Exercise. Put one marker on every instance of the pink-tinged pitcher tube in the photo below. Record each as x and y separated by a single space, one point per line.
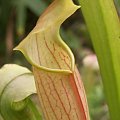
62 95
59 87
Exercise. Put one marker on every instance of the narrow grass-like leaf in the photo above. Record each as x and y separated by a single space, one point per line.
104 26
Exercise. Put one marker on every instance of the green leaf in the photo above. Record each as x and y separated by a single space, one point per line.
104 27
21 16
16 87
36 6
1 117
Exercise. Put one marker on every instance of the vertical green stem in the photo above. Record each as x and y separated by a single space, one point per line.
29 112
35 114
104 27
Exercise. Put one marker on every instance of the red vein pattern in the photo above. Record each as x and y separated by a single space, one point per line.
60 90
61 95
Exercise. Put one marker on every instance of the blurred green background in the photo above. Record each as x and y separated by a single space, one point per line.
17 19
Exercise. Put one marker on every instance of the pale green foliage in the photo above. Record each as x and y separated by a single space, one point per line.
16 87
